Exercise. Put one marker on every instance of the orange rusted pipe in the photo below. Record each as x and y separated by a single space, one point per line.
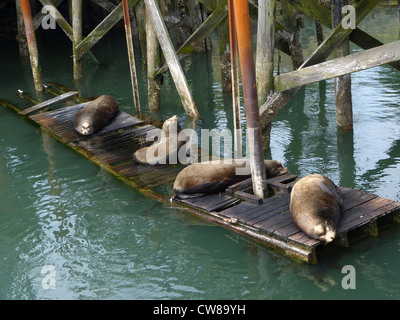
33 51
235 82
242 19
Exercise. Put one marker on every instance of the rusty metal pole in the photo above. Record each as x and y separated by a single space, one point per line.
33 51
132 66
235 83
242 18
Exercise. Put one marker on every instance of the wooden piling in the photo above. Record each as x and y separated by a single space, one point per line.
265 49
242 18
21 37
171 58
237 137
76 9
343 101
224 55
140 13
131 55
195 14
319 30
33 51
153 64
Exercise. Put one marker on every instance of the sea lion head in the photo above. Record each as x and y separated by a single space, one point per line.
171 126
274 168
85 128
324 233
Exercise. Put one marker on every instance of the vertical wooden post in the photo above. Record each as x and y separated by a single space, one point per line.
265 49
224 55
153 64
33 51
242 18
319 30
344 108
195 14
131 55
140 11
398 13
237 126
76 9
21 37
171 58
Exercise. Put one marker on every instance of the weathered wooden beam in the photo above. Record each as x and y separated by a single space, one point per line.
65 26
153 63
37 19
21 37
323 15
193 7
33 50
242 18
224 55
77 37
213 20
105 4
201 33
337 67
265 49
343 99
90 40
270 109
49 103
171 58
339 34
140 14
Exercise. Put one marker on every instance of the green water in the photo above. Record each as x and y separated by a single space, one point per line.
103 240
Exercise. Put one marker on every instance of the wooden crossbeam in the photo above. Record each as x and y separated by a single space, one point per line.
104 26
171 58
337 67
323 15
48 103
214 19
339 34
64 25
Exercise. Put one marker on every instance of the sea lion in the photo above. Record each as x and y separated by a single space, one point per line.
95 115
315 205
165 149
207 177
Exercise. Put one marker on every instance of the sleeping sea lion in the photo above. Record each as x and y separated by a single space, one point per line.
315 204
95 115
165 149
202 178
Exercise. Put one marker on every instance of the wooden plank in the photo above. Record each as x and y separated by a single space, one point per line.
248 197
171 58
90 40
337 67
258 217
235 211
363 213
50 102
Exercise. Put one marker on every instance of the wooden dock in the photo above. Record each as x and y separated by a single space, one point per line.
266 222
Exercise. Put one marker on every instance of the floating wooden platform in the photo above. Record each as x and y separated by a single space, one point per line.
267 222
